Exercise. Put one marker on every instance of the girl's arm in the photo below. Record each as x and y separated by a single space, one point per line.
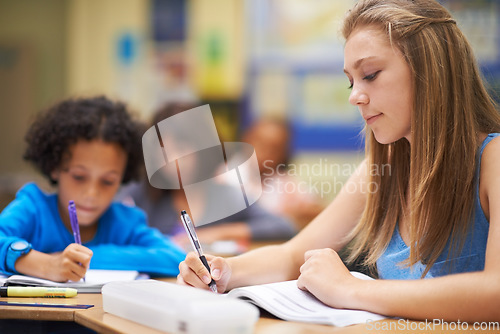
466 297
282 262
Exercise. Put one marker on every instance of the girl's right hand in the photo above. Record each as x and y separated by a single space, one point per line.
193 272
71 264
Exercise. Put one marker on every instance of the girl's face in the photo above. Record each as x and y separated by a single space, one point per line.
90 176
381 84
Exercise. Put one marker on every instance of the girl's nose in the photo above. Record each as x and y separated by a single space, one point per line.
358 97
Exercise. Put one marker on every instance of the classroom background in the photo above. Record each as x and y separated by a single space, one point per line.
247 59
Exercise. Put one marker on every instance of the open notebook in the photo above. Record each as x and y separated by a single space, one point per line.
94 280
286 301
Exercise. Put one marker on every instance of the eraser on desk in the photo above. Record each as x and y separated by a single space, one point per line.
176 308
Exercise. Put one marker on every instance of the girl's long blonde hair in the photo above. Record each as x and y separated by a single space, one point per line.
434 181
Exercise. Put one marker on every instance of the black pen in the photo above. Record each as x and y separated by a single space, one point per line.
188 225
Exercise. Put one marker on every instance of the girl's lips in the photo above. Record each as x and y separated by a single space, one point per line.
372 119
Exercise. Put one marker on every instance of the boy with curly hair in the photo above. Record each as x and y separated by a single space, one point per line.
87 148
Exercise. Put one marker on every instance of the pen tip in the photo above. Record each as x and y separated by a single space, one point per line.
183 212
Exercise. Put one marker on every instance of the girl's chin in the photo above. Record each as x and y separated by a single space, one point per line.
384 139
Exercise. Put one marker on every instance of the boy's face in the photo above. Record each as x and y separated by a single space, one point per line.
90 176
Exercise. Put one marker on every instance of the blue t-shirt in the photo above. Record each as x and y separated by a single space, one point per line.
123 240
471 258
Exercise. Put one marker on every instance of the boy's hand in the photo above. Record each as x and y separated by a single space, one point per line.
71 264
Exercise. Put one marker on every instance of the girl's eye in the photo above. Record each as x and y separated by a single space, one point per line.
370 77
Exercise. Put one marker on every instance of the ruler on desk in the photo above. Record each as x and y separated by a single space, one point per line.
78 306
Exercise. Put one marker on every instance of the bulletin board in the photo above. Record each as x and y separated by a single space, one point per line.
296 72
480 22
295 57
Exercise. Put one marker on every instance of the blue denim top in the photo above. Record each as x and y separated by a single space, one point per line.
471 258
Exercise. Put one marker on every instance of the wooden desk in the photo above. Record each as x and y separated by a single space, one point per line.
96 319
47 313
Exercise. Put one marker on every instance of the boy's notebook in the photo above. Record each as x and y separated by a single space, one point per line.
286 301
94 280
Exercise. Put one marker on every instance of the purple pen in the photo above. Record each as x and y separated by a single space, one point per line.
74 224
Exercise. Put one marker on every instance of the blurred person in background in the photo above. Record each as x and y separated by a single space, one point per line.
163 206
281 193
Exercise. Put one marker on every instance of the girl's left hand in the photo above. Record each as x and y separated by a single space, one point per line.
325 276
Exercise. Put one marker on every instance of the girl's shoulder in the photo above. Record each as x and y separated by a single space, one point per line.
489 187
490 149
491 142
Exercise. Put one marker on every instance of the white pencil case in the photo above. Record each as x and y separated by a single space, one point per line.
178 309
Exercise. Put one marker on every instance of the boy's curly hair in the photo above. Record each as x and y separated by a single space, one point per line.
62 125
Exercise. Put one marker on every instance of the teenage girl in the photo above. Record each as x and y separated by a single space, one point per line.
430 226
